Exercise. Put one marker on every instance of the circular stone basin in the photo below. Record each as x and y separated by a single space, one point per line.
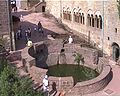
78 72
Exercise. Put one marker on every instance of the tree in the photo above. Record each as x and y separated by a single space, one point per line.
13 85
78 58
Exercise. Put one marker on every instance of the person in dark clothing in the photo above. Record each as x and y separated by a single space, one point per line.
40 28
18 35
29 32
20 32
26 35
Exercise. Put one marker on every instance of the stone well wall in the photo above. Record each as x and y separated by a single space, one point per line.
14 55
36 73
61 83
53 49
66 83
93 85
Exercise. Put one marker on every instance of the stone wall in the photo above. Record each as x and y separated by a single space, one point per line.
36 73
107 9
38 7
5 22
93 85
53 50
24 4
14 56
67 83
90 55
62 83
4 17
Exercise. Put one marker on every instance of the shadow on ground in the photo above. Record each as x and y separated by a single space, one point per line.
19 13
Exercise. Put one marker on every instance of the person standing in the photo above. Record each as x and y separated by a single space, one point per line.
45 85
40 28
26 35
70 40
29 43
21 17
39 25
29 32
35 28
20 32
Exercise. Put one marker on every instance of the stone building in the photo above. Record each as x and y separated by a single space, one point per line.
98 20
6 24
28 4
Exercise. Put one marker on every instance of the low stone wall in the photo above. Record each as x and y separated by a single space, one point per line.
53 49
61 83
36 73
66 83
90 55
93 85
14 56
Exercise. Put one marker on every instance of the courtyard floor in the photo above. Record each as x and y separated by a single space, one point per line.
31 20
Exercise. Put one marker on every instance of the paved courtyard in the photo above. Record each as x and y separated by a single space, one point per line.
32 19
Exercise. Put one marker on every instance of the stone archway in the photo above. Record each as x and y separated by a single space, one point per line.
115 51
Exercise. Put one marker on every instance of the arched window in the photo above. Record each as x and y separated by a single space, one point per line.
92 20
70 18
83 18
79 17
75 17
88 19
97 19
64 15
100 18
67 17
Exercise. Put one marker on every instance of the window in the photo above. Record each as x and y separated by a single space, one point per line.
100 18
79 17
64 15
75 17
97 22
88 20
68 15
92 21
115 30
82 18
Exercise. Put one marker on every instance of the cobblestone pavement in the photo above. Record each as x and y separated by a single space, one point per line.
31 20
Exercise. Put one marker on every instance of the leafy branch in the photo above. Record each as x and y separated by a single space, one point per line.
78 58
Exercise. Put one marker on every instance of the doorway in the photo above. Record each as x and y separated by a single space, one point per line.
115 51
43 8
